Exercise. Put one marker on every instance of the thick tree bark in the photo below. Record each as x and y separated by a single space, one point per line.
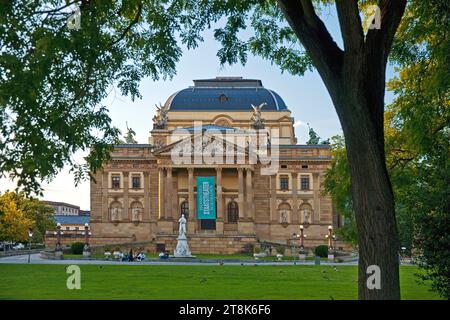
355 79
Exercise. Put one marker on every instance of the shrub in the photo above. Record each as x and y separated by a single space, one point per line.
256 249
280 250
321 251
77 248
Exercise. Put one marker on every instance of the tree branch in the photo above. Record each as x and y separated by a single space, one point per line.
351 26
314 36
135 21
56 9
391 14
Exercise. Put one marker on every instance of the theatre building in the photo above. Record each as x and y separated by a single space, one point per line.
200 161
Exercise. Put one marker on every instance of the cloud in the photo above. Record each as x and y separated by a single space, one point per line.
299 123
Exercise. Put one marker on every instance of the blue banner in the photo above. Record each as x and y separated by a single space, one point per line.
206 197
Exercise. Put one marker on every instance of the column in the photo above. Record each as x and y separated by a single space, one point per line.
169 194
219 193
295 216
273 198
191 193
220 219
162 193
146 213
241 193
249 188
125 215
192 221
316 191
105 188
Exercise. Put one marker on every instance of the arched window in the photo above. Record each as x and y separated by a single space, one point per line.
233 212
185 209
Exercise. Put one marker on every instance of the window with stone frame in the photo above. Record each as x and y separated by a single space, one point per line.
284 182
304 183
185 209
115 181
136 182
232 212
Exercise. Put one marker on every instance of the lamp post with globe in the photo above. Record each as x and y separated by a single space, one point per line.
87 234
58 248
295 236
330 238
30 237
302 253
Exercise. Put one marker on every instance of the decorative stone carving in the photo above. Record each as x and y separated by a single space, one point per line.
135 214
115 214
256 119
161 117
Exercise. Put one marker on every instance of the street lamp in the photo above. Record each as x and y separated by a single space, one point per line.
86 248
58 248
330 238
302 255
30 237
295 236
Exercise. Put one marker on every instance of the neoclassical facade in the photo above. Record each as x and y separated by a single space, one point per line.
238 134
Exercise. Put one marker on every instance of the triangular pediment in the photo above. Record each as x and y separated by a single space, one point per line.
205 143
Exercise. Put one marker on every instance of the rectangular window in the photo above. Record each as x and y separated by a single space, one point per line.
284 183
208 224
115 181
304 182
136 182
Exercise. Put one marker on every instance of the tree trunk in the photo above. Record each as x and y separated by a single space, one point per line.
362 91
355 79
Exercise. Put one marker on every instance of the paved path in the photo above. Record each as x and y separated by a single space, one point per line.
36 259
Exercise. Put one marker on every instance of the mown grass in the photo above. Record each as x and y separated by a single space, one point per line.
193 282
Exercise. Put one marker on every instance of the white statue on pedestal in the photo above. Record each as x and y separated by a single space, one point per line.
182 250
182 227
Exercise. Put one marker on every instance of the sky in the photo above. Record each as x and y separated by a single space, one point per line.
306 97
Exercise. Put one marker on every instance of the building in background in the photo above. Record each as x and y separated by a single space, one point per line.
63 209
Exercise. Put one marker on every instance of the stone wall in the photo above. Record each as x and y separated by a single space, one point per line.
212 244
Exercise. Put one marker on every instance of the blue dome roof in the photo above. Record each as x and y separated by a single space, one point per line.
225 94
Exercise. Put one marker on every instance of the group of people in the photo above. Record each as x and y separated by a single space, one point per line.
130 256
164 255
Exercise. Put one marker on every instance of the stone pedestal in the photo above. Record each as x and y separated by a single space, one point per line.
330 257
58 254
182 250
86 251
302 257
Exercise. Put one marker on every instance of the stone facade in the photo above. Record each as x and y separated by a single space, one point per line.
141 192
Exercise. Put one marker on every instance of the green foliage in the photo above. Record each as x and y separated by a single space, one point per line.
337 183
39 212
281 249
321 251
77 248
14 224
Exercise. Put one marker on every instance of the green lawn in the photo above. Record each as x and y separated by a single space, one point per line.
193 282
